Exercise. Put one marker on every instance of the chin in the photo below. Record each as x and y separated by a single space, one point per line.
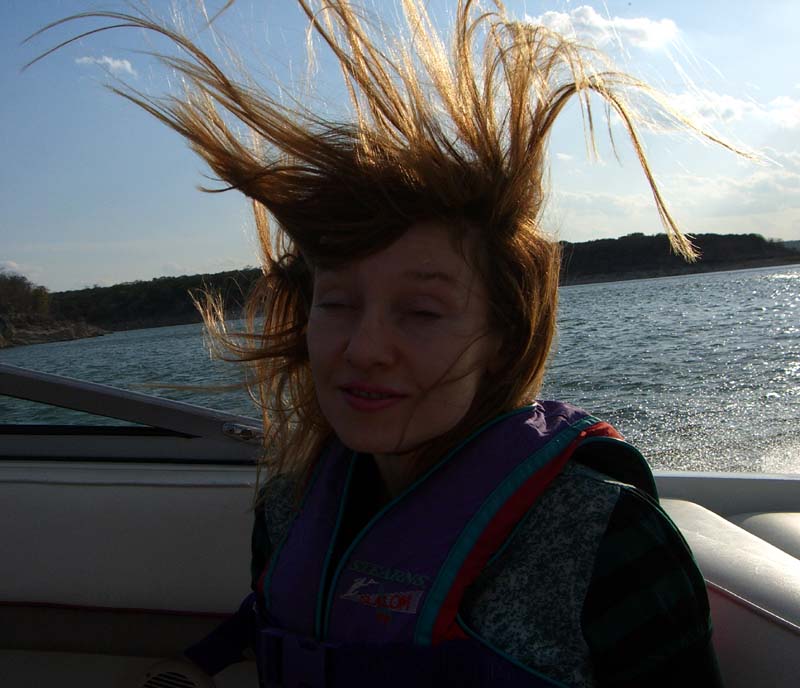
389 435
377 440
364 445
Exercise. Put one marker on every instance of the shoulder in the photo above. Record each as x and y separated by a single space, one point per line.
529 599
274 513
642 543
568 519
596 580
646 605
278 504
563 527
639 527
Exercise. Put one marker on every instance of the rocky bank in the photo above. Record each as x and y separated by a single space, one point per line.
22 330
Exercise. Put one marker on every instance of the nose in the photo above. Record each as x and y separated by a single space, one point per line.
370 343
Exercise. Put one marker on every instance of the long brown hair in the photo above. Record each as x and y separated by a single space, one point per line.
451 131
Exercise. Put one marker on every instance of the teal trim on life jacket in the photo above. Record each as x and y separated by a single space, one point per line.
472 634
473 530
360 536
636 473
677 531
320 617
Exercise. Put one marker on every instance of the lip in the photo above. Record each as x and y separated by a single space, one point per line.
359 403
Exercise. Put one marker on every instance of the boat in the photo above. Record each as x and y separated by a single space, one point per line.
124 544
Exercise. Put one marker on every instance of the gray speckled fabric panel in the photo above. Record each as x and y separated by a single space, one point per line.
528 603
279 507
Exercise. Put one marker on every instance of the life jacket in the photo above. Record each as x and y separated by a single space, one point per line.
387 613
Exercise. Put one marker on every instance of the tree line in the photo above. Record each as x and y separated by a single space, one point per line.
168 300
637 255
154 303
20 296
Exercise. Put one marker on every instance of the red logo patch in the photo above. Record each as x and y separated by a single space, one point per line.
405 602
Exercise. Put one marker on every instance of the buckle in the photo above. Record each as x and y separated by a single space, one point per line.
304 662
289 660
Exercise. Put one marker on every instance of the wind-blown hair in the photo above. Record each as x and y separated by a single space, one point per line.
451 131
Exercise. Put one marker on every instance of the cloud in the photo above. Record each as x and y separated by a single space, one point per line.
770 189
745 198
32 272
9 266
115 66
707 107
785 111
790 160
564 156
766 191
585 22
609 204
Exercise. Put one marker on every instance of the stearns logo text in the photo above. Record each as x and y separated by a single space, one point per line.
389 574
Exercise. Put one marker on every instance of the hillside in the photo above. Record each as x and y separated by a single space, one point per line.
638 256
37 315
26 317
156 303
167 301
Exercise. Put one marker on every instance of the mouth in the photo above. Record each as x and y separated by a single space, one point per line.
370 398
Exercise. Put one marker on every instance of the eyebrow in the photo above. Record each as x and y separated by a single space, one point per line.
431 276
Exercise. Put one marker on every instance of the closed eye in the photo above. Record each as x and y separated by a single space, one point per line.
428 315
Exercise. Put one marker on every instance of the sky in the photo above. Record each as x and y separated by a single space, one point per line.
93 191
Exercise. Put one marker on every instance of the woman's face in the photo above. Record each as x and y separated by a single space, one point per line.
399 342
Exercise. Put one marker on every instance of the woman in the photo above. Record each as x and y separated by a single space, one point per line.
425 521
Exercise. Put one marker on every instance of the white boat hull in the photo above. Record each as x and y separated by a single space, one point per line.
120 550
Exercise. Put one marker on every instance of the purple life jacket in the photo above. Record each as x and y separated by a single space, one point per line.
389 615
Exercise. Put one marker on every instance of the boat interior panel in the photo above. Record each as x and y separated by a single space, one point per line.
122 547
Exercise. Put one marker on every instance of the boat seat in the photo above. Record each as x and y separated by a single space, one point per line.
781 529
754 592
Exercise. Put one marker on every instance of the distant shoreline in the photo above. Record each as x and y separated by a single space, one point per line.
67 331
699 270
25 332
168 301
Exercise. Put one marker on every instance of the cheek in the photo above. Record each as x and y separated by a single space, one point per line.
452 382
470 374
466 358
320 349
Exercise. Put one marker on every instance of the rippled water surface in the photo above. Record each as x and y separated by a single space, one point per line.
702 372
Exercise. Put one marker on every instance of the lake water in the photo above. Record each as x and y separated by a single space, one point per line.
701 372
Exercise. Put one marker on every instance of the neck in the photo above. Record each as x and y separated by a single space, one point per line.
397 472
